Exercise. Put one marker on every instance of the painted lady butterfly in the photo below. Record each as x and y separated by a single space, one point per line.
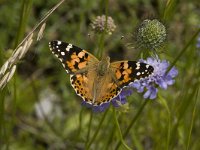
97 82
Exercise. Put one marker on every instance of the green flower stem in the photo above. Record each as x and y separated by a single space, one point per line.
80 122
89 127
119 130
25 12
45 17
112 133
100 45
3 133
183 50
192 121
102 35
170 9
132 122
97 131
186 98
164 103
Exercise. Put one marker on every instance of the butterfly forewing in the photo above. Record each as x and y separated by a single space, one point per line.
80 64
126 72
72 57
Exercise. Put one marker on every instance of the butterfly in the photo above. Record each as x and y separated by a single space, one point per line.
97 81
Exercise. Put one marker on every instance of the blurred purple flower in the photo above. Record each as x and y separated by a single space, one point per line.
160 78
198 42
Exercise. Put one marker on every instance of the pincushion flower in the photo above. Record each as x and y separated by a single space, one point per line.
160 78
198 42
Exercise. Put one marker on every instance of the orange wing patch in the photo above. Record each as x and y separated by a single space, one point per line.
78 61
105 89
109 93
129 71
79 82
72 57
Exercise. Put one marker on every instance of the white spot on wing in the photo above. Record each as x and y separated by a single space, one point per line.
138 65
69 47
62 53
59 42
138 73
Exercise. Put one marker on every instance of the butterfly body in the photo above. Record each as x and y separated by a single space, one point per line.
97 82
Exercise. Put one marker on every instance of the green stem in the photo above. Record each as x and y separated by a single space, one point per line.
102 35
100 45
3 133
170 9
119 130
192 121
163 101
132 122
80 122
97 131
25 12
108 143
183 50
41 22
186 101
89 127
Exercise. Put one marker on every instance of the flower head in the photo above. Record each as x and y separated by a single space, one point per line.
198 42
99 24
151 34
160 78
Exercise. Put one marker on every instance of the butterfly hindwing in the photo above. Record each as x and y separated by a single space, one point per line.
129 71
72 57
82 86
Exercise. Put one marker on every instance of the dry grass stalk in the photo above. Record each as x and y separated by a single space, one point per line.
9 67
6 78
41 31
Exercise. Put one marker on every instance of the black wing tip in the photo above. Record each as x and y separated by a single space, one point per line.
151 68
58 42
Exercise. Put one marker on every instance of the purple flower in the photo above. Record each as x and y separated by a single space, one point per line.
160 78
198 42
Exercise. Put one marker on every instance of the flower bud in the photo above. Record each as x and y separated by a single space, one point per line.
99 24
151 34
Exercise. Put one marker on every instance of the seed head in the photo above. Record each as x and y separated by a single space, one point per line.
151 34
99 24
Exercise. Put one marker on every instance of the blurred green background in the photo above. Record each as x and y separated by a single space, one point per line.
40 110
